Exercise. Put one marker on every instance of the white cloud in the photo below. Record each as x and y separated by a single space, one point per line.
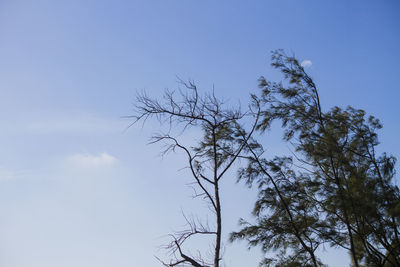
92 161
74 123
306 63
6 174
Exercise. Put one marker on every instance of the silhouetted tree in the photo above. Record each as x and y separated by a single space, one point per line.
342 193
286 215
223 141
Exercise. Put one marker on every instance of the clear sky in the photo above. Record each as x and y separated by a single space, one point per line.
76 189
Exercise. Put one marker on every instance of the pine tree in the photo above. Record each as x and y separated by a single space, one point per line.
354 202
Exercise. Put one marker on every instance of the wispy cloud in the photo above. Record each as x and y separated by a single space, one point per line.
78 123
73 123
92 161
306 63
6 174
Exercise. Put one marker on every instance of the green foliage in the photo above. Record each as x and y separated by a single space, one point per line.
284 210
340 192
336 190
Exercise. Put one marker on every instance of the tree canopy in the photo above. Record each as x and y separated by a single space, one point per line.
335 189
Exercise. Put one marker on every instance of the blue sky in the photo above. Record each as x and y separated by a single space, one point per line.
77 189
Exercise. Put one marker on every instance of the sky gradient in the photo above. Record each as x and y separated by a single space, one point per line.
78 189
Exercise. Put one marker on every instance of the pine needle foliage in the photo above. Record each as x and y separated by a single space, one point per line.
340 192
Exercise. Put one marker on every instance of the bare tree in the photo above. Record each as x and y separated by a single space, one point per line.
224 140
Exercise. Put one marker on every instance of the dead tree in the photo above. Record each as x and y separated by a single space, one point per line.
224 139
